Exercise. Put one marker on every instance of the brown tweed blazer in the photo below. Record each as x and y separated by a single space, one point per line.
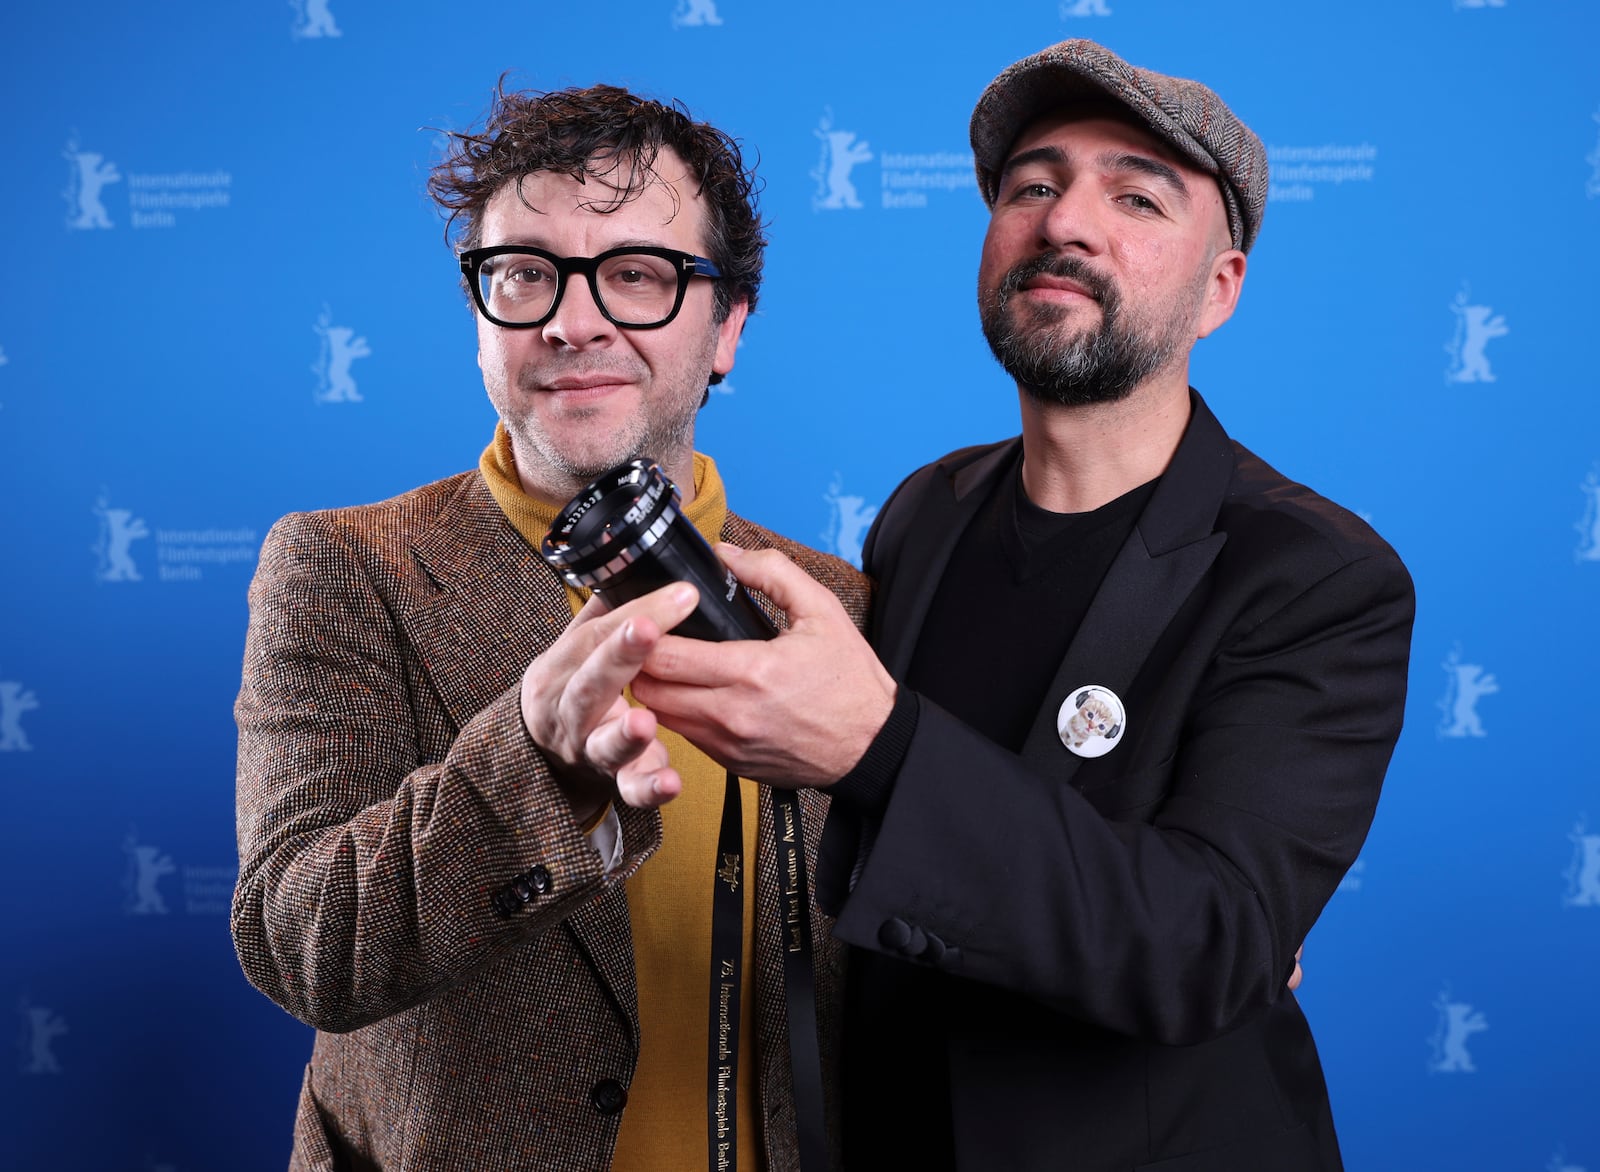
387 789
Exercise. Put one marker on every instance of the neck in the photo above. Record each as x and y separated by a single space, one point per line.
1075 459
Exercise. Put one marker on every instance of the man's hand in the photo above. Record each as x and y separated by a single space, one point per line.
798 710
1298 975
572 704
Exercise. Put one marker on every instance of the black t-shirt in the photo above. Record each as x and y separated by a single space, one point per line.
1012 596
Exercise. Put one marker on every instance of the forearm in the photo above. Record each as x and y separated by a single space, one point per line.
373 835
1167 903
345 915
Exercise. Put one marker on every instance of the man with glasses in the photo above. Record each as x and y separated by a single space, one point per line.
1147 691
506 969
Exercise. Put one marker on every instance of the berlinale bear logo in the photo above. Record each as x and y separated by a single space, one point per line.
119 529
1468 683
840 154
340 349
1458 1021
90 176
41 1028
1476 327
14 701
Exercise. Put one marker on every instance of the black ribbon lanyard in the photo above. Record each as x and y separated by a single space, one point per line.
799 984
727 973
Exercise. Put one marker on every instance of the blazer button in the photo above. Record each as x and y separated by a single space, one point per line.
933 949
504 902
894 934
539 879
608 1096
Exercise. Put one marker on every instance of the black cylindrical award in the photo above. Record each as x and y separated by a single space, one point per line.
626 535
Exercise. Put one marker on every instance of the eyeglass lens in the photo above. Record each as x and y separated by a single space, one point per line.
635 288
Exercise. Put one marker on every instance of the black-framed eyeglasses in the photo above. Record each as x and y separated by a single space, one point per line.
640 288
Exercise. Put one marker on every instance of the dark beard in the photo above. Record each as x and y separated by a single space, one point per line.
1092 366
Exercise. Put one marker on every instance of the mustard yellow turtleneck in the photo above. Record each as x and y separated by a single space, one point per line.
669 902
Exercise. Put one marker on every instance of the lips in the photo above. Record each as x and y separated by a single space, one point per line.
1050 283
1056 274
589 383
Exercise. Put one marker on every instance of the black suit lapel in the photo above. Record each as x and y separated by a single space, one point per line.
912 564
1169 551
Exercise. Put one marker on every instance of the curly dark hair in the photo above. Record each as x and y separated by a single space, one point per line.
584 132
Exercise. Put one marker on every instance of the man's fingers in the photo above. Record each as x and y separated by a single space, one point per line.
791 589
622 740
611 665
667 607
649 781
676 659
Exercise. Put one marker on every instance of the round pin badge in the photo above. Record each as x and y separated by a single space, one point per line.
1091 721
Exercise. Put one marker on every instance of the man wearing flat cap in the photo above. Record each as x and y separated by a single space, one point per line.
1138 691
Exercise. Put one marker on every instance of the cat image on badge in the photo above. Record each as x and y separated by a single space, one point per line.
1090 721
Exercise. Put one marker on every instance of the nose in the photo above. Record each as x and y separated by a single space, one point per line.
1073 222
578 323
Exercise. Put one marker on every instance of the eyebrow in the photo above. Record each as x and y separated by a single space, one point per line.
1145 165
525 241
1114 161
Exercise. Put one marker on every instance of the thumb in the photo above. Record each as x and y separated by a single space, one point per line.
791 589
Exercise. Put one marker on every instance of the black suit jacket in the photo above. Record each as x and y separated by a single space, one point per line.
1112 936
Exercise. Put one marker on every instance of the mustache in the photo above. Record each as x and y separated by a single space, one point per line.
1069 268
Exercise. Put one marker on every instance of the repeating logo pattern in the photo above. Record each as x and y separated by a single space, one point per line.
906 179
119 529
40 1029
154 199
1588 525
1592 188
1466 684
180 553
695 14
1476 327
207 891
339 349
147 866
1583 873
14 701
842 152
312 20
1297 172
849 519
89 175
1457 1022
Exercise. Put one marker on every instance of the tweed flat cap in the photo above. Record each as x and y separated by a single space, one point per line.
1181 112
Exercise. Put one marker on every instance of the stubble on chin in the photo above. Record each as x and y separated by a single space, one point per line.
565 454
1102 361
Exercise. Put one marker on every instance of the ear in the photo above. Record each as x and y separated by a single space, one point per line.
1222 290
728 331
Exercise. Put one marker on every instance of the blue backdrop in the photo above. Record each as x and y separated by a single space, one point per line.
224 296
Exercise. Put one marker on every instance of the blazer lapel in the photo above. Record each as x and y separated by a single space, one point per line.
941 516
1170 549
496 604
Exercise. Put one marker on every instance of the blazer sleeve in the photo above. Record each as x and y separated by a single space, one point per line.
1177 919
367 873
